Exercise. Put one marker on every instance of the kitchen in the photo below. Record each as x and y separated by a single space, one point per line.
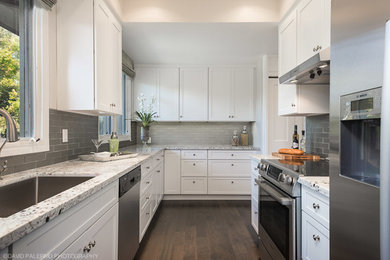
194 129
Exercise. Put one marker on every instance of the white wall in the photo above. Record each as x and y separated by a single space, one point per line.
200 10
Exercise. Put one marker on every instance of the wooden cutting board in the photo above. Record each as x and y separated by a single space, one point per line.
283 156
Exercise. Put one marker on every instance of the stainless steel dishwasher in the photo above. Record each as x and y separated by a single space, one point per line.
129 192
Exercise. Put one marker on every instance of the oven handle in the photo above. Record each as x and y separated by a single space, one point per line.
279 197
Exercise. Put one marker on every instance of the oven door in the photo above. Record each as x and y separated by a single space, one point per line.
277 223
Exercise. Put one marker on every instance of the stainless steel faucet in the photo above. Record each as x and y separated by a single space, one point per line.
12 131
11 135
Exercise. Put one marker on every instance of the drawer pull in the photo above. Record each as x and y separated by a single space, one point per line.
193 181
194 155
147 213
158 171
232 154
148 167
147 182
316 206
193 164
158 159
232 182
147 198
316 238
232 164
255 212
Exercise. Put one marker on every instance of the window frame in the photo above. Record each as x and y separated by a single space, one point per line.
128 107
39 87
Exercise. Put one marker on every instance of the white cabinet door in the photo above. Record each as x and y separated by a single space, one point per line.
243 104
288 43
172 172
255 215
193 185
287 99
103 57
168 94
100 241
145 83
116 68
193 94
315 239
313 19
220 94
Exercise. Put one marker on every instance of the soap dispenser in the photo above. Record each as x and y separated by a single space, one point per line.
114 143
244 136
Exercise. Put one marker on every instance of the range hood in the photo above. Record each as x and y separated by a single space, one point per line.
314 71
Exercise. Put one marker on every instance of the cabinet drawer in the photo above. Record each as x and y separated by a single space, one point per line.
254 187
145 183
193 185
101 238
146 167
144 220
194 154
315 239
146 197
254 214
229 186
231 168
53 237
316 205
194 168
228 155
156 160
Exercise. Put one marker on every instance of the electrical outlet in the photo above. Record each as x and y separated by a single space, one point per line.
64 135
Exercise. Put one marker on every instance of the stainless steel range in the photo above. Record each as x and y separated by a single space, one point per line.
280 205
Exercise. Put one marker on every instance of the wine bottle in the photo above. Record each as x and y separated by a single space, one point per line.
295 142
303 141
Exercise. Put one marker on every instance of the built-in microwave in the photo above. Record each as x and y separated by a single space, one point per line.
360 123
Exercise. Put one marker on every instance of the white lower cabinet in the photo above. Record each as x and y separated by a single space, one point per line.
237 186
151 192
94 219
100 241
172 172
315 239
193 185
315 225
255 214
229 168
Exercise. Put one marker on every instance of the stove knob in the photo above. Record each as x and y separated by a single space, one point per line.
263 167
282 177
290 180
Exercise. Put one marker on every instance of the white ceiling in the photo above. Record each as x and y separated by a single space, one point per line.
199 43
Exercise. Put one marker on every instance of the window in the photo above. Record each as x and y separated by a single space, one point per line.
24 76
120 124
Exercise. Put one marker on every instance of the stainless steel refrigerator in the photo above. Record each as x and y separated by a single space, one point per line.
359 130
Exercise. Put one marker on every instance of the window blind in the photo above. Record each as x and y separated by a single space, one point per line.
127 65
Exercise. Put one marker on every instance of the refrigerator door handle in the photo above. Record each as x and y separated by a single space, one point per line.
385 154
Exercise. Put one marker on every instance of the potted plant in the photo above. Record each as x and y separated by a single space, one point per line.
145 114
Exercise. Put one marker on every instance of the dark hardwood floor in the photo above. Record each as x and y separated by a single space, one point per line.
200 230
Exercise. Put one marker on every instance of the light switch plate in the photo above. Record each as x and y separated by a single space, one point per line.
64 135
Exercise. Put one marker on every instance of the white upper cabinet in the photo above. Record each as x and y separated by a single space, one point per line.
303 100
288 43
163 84
89 58
193 94
231 94
168 94
243 93
220 94
313 18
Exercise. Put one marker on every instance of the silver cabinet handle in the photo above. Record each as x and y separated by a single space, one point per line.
158 171
316 206
232 182
147 198
316 238
232 164
148 167
193 181
181 116
255 212
232 154
232 116
292 104
193 164
147 182
147 213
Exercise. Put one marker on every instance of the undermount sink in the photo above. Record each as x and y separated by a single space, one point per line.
21 195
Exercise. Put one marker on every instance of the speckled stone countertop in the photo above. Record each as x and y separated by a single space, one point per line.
320 184
259 157
205 147
23 222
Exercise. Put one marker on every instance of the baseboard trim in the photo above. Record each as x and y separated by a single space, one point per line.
206 197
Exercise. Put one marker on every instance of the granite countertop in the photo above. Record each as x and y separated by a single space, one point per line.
320 184
205 147
259 157
23 222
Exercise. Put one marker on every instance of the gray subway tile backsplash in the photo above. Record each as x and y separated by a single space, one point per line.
81 129
317 135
